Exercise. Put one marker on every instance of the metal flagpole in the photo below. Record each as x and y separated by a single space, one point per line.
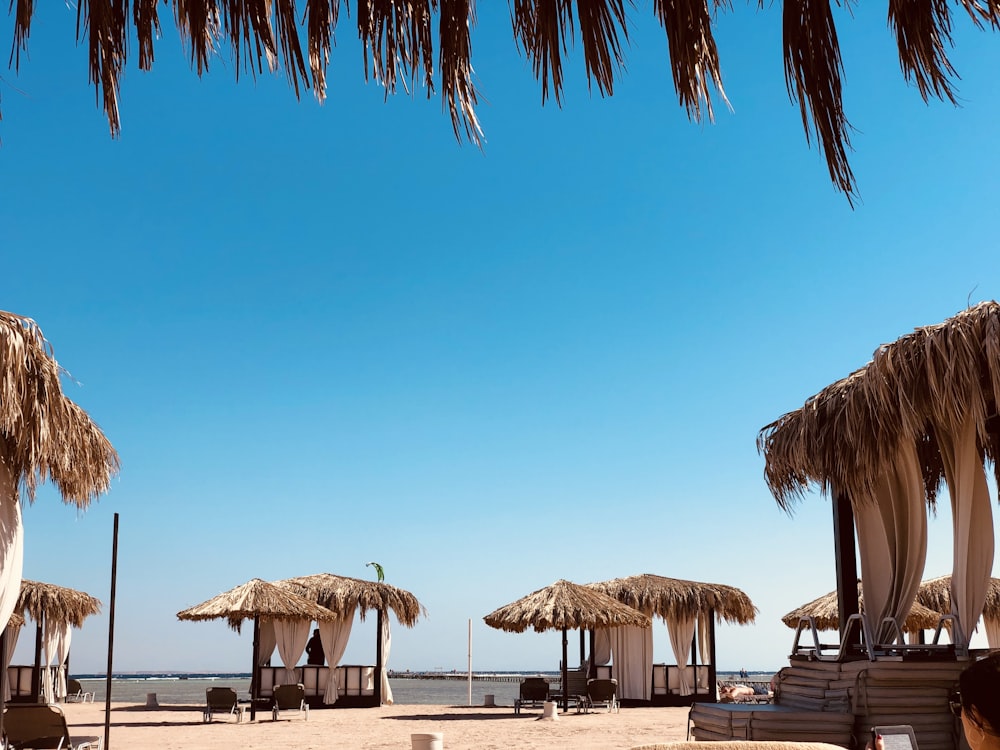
111 637
470 661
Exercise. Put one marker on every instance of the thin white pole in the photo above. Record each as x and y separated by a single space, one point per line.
470 661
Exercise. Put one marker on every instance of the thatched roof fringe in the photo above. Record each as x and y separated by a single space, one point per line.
57 604
935 593
256 598
43 434
673 599
924 385
458 90
694 57
344 595
825 612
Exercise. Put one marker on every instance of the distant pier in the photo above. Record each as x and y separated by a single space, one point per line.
478 676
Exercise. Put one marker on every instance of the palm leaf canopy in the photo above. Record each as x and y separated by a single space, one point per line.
399 49
344 596
935 593
924 383
55 604
254 599
675 599
564 605
825 611
44 435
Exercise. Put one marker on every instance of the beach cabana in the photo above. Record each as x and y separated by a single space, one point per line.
935 593
565 606
281 618
346 596
55 610
689 610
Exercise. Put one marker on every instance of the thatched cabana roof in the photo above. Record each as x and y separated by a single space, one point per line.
925 382
564 605
825 611
674 599
254 599
399 42
56 604
43 434
935 593
344 595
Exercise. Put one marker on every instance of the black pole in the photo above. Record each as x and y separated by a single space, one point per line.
565 675
712 672
255 669
36 675
845 552
111 637
378 659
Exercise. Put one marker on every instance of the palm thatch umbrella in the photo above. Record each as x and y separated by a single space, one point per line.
55 607
399 39
43 436
928 397
564 606
935 593
254 600
826 614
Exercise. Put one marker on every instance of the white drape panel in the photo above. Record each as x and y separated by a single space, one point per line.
992 627
51 635
13 632
681 634
602 647
972 526
65 636
11 549
291 636
632 653
386 637
267 640
334 635
704 647
892 542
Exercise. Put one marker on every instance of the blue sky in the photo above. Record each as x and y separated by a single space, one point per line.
324 335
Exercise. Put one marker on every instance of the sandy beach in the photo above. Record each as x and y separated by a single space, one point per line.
494 728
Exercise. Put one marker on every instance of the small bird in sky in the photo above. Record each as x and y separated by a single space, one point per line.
378 570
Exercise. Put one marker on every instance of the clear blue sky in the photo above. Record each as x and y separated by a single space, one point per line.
324 335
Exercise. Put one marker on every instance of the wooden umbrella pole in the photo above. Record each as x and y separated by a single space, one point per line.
565 671
111 637
847 567
36 675
254 673
713 678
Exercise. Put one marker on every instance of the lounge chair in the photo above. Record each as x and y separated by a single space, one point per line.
534 691
222 700
602 693
290 698
42 727
75 692
576 690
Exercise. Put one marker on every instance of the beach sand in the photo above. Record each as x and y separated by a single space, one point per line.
463 727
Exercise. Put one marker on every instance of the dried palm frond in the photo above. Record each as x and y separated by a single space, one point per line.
674 599
825 612
257 598
935 593
564 605
44 435
343 596
925 383
55 604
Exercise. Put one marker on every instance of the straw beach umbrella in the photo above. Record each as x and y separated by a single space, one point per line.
881 441
564 606
345 596
935 593
399 46
258 600
43 436
826 614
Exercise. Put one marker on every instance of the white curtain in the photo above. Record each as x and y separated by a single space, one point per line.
63 639
972 526
602 647
632 654
266 642
51 635
704 647
892 542
681 634
291 636
386 637
11 551
13 631
334 635
992 626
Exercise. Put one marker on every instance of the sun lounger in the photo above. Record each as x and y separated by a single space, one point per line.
533 692
289 698
222 700
42 727
76 694
602 693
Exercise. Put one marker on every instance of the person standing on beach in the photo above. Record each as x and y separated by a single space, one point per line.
314 649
